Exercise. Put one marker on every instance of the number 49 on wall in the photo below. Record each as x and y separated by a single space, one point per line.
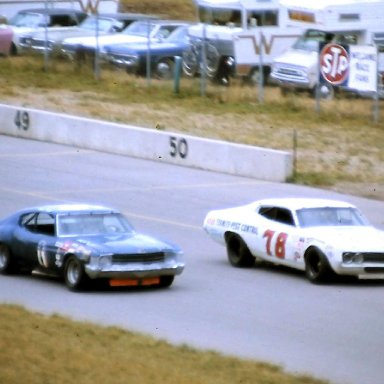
22 120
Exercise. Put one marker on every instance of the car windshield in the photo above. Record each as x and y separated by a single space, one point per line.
330 216
178 35
27 19
102 24
140 28
92 224
310 40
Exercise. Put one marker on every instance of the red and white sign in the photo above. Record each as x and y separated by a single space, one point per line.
334 63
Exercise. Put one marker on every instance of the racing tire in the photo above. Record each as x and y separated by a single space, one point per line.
317 269
238 253
166 281
74 274
7 265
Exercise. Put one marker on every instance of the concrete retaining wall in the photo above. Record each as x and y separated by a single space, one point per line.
185 150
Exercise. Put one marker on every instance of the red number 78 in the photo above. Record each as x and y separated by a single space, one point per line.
279 245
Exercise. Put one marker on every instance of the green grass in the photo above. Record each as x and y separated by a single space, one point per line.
39 349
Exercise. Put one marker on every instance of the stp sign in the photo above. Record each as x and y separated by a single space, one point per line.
334 63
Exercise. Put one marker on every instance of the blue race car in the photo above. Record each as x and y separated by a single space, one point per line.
161 54
85 242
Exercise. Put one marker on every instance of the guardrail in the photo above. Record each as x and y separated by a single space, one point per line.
146 143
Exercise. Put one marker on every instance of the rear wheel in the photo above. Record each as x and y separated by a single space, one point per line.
317 268
74 274
238 252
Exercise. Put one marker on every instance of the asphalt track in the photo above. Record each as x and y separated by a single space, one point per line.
333 332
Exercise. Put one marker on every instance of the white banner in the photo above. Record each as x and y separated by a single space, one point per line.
363 68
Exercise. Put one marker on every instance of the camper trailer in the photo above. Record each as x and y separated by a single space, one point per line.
228 31
256 47
343 22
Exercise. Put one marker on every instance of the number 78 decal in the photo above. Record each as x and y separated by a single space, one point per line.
279 244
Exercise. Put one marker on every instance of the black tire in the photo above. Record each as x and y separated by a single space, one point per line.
317 268
166 281
74 274
165 69
238 253
6 263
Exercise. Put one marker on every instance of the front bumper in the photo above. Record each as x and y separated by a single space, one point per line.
362 271
135 270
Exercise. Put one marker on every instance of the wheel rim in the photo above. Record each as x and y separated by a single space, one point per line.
73 272
3 257
164 69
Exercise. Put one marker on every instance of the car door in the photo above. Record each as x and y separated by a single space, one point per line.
35 239
278 235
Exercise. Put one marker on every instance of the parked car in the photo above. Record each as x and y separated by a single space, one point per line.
138 32
30 20
6 36
102 24
85 242
133 57
321 237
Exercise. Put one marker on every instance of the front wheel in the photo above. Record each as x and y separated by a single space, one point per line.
5 260
165 68
74 274
238 253
317 268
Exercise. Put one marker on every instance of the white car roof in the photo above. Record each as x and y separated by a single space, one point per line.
296 203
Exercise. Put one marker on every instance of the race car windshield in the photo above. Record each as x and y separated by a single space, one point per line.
93 224
330 216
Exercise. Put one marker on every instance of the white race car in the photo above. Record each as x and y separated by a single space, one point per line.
319 236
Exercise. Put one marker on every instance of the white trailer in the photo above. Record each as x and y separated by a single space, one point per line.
349 22
256 47
220 23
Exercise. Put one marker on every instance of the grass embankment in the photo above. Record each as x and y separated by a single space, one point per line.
38 349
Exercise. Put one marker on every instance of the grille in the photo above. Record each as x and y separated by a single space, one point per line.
373 257
139 257
374 270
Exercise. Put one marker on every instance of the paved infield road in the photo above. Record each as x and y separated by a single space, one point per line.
272 314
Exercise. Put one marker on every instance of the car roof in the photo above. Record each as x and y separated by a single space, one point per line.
127 16
295 203
70 208
53 11
170 22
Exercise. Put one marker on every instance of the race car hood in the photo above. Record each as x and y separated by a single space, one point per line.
358 239
126 243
